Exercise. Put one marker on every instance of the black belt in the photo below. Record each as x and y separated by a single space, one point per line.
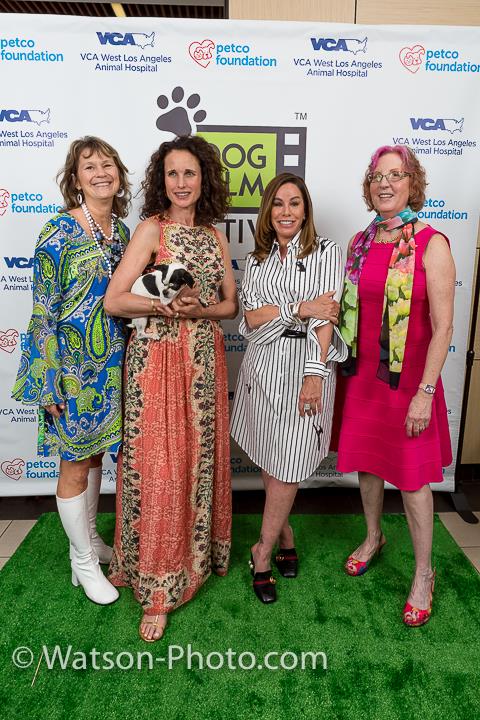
293 334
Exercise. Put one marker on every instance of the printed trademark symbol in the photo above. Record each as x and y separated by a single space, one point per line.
300 116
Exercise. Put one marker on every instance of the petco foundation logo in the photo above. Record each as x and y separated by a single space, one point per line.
448 124
27 202
412 57
32 116
115 38
202 52
4 198
8 340
252 156
351 45
234 53
13 469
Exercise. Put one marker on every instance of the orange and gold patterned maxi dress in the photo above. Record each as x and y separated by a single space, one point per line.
173 489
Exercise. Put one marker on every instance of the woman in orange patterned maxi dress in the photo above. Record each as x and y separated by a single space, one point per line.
173 491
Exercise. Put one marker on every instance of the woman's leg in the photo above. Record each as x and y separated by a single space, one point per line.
286 539
279 497
73 476
73 512
419 511
371 491
103 550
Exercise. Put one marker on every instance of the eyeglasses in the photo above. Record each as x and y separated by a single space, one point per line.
393 176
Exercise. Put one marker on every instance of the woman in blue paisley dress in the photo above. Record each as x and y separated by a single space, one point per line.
71 365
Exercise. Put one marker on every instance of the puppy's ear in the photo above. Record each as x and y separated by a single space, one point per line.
188 279
163 269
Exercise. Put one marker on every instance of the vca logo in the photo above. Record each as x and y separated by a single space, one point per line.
115 38
22 263
449 124
4 198
346 44
32 116
13 469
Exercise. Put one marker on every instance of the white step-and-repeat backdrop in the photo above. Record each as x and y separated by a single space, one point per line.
312 98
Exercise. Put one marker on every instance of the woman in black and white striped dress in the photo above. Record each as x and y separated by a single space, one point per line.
283 406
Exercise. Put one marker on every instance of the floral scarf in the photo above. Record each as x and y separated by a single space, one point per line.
397 297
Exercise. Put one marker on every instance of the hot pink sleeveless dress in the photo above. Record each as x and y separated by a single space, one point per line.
372 432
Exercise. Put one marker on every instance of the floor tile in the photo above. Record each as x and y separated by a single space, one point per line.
473 555
4 525
14 535
464 534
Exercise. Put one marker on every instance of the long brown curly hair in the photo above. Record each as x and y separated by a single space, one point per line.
67 176
411 164
212 205
264 232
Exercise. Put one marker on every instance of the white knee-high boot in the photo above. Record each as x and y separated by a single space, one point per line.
103 550
85 567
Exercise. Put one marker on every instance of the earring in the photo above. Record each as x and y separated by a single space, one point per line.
79 197
120 193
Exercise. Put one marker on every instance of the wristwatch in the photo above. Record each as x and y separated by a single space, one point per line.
429 389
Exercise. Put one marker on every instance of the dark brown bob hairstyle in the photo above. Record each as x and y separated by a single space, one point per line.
410 164
212 205
264 232
67 176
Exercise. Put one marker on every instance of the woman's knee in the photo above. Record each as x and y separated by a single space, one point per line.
74 473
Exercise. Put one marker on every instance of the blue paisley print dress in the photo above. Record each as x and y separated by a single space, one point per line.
73 352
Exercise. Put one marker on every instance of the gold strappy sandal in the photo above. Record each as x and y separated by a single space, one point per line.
156 624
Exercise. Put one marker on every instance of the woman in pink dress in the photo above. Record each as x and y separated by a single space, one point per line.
173 493
396 318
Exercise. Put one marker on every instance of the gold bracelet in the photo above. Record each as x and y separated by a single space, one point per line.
154 308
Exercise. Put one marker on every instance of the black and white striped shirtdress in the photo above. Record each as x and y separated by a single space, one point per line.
265 421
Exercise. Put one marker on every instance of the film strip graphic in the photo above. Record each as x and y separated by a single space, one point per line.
253 155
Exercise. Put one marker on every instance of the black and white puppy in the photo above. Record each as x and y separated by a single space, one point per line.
163 283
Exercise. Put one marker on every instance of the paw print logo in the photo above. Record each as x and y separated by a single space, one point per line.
181 118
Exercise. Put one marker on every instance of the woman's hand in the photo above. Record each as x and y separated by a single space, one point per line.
187 307
188 292
419 414
323 307
310 395
159 310
56 409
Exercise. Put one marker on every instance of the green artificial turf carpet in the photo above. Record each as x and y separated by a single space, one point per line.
376 668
